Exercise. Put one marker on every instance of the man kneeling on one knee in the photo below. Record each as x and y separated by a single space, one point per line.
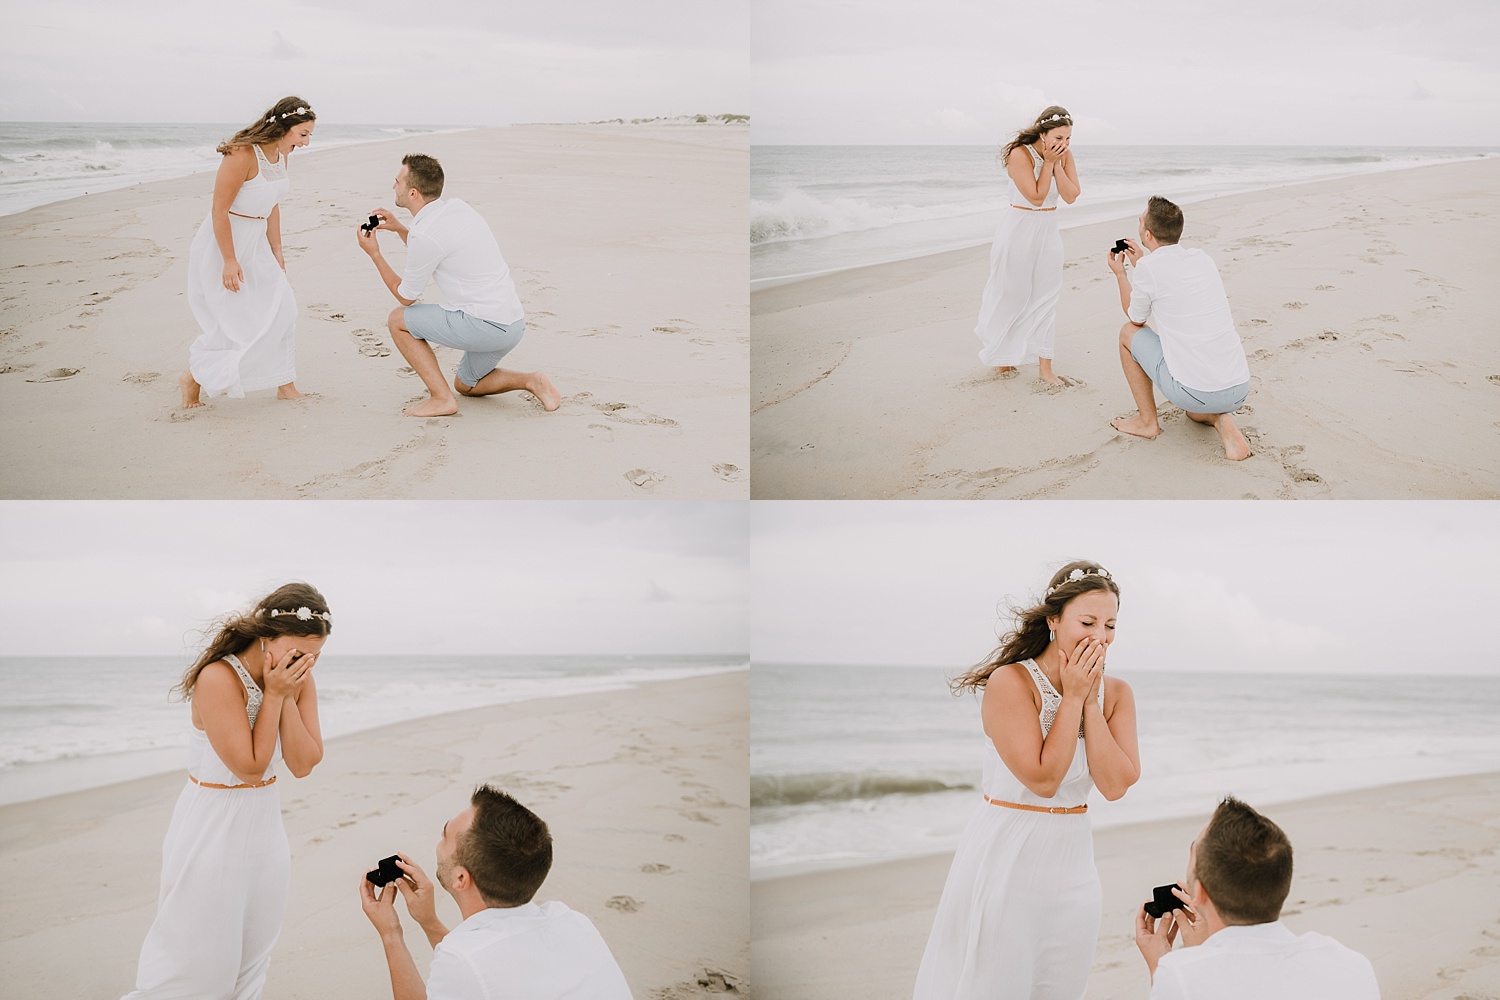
1179 333
451 243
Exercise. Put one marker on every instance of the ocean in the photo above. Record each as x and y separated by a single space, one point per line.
68 723
851 765
815 209
43 162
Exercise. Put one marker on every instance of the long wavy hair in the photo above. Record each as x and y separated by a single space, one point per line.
277 121
235 632
1028 639
1033 133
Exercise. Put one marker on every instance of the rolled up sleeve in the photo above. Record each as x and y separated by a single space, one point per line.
1140 299
422 257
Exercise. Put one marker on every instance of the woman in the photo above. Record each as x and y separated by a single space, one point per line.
1019 915
237 285
1018 314
226 863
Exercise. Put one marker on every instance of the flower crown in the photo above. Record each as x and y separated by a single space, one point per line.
1064 119
302 614
1079 574
303 111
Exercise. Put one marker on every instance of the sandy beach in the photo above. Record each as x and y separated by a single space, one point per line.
1407 874
645 792
1366 306
627 246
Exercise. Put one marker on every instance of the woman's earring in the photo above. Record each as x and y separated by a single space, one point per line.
1051 637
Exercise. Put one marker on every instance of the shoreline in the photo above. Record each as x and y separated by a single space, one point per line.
1128 210
1370 865
644 791
1360 302
127 764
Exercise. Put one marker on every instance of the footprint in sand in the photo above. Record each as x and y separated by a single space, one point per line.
1293 305
729 473
1259 322
1493 378
180 416
8 369
656 869
370 345
1324 288
56 375
1328 335
141 378
406 371
1050 388
601 432
644 479
675 838
627 413
624 904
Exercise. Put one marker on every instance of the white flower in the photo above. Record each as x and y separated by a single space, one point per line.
304 613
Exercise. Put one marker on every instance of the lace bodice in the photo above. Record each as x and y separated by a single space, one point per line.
1051 699
253 693
270 171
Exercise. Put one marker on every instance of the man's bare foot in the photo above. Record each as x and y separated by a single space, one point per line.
190 388
540 386
1236 448
430 407
288 391
1137 425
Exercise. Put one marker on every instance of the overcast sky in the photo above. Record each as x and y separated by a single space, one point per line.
412 62
138 578
1356 587
1293 72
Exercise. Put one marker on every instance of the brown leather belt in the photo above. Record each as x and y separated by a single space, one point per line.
209 784
263 218
1024 208
1054 810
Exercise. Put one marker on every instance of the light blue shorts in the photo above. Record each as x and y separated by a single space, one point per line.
1145 347
484 343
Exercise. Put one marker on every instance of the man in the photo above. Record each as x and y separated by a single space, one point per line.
1235 946
491 859
450 242
1190 349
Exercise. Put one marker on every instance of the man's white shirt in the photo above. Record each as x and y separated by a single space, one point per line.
530 952
1177 291
1265 962
451 243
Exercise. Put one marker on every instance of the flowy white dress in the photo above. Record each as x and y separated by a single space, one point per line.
1019 915
248 338
1018 313
226 868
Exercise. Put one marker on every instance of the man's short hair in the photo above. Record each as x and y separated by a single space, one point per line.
1163 220
508 850
1245 864
425 174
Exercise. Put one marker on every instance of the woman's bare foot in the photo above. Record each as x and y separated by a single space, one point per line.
540 386
1004 369
288 391
430 407
190 388
1045 372
1138 425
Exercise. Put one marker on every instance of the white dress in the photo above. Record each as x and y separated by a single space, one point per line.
1019 915
225 871
248 336
1018 314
